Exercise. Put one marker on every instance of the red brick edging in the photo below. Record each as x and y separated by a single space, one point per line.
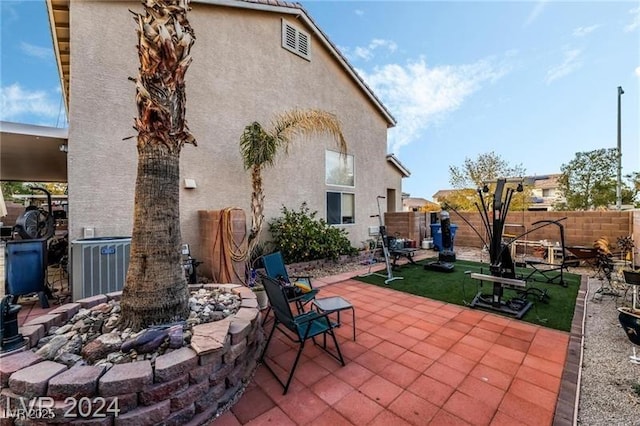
566 413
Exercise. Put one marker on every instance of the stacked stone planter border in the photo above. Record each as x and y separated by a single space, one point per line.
186 386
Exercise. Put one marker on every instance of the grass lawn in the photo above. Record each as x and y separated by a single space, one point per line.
458 288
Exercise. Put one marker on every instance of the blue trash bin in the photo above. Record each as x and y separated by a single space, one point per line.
436 234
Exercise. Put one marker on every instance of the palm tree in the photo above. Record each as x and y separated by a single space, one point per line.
259 148
156 291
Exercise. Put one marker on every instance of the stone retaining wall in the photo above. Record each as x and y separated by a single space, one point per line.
186 386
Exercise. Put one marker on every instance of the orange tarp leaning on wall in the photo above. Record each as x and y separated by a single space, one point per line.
224 244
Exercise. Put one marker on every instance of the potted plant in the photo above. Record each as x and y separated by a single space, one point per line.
252 281
629 316
258 289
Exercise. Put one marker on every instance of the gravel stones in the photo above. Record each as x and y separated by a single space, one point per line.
91 336
607 396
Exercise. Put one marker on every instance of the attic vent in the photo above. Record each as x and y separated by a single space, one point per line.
296 41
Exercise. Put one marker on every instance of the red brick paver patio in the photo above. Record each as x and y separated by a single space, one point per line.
415 361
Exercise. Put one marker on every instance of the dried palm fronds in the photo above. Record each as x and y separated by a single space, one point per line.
164 43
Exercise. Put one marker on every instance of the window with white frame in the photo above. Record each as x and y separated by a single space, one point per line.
339 169
296 40
340 208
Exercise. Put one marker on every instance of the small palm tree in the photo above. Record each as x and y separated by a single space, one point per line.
156 291
259 148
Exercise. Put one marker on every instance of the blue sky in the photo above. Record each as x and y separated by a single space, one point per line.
535 82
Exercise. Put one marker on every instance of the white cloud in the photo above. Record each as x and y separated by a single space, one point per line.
635 22
570 64
20 104
359 12
367 52
535 12
583 31
637 71
9 13
36 51
419 95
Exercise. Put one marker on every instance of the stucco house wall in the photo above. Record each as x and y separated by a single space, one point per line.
394 185
240 74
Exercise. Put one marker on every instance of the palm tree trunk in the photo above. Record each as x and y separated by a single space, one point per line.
257 209
156 291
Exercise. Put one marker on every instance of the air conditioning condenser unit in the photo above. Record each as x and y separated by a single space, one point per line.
99 265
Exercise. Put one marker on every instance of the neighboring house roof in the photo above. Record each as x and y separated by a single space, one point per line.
443 193
418 202
545 181
59 22
394 160
415 201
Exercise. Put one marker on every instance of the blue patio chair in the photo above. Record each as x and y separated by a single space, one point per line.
297 328
298 289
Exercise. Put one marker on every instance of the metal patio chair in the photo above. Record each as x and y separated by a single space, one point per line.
275 268
297 328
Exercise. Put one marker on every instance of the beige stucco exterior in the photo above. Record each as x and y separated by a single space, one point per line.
240 74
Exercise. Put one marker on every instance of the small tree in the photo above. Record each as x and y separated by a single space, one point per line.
487 167
475 174
259 148
588 181
631 189
14 188
460 199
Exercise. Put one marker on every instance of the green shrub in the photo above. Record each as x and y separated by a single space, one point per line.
301 237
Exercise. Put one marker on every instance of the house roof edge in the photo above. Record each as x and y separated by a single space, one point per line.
396 162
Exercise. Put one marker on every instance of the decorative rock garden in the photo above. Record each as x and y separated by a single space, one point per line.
79 369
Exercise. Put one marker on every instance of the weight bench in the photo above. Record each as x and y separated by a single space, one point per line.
407 253
517 306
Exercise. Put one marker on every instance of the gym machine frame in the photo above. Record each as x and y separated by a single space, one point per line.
502 268
382 232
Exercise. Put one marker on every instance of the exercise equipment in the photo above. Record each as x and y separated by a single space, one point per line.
35 222
382 233
189 264
502 268
397 250
547 268
446 256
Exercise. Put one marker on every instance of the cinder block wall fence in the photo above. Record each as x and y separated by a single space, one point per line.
580 228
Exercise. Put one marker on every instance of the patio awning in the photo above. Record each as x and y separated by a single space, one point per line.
31 153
